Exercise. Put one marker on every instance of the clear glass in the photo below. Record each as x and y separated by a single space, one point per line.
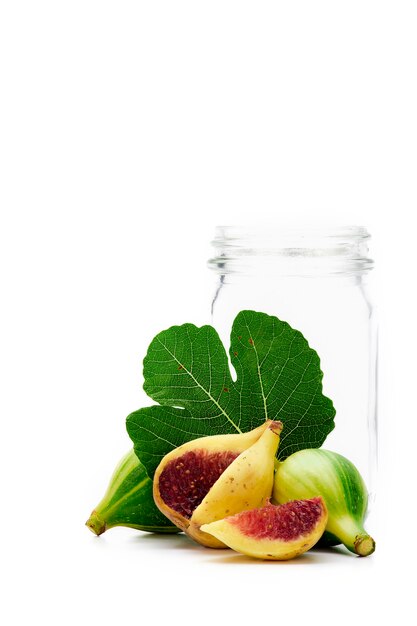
317 280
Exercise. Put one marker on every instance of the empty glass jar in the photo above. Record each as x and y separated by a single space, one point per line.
317 280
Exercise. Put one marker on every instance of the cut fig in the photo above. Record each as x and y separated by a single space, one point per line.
186 480
273 532
212 477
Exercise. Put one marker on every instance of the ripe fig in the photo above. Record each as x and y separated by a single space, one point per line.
316 472
128 501
245 484
274 533
214 476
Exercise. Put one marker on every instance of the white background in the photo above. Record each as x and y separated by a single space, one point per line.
128 130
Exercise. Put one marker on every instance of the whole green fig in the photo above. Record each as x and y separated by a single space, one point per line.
316 472
129 501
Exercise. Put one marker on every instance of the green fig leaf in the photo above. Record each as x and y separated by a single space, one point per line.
186 370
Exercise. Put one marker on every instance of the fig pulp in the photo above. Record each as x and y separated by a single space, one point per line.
275 533
129 501
316 472
212 477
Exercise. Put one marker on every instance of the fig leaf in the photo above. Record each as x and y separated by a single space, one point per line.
186 370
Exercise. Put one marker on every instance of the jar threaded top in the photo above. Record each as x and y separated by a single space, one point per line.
290 251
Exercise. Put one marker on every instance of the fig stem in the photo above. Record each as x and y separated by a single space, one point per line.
364 545
352 535
96 524
276 427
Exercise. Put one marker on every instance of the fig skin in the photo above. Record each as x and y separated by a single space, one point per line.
234 532
312 472
128 501
236 444
246 484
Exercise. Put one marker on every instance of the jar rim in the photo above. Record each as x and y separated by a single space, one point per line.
291 250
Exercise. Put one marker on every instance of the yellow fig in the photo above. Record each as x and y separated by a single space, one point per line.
275 533
187 473
245 484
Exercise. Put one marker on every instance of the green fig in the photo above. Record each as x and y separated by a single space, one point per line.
316 472
128 501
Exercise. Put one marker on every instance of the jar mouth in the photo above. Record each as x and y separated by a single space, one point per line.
296 250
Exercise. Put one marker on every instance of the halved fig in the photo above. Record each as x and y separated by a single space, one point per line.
186 476
273 532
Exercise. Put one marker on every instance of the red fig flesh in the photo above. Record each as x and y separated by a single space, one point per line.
273 532
187 473
186 480
206 479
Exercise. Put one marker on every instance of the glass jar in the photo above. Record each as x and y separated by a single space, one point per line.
317 281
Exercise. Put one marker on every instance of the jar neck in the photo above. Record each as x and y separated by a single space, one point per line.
297 251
